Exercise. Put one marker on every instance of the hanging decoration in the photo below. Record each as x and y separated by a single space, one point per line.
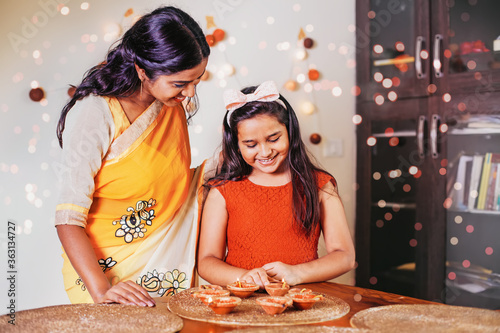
129 12
129 18
308 43
205 76
315 138
291 85
228 69
210 40
313 74
71 91
302 34
37 94
307 108
213 38
217 35
210 22
301 54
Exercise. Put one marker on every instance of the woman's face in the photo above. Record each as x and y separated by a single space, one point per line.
171 90
263 143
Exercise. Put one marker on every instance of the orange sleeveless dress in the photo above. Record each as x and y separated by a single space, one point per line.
261 228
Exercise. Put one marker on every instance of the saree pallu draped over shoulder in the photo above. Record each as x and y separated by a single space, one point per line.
141 212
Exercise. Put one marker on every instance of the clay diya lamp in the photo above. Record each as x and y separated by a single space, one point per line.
277 288
304 301
294 291
242 289
209 287
195 291
223 305
274 304
204 295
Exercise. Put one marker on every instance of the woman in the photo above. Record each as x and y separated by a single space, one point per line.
127 213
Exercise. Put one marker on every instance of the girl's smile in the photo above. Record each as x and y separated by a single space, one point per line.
267 161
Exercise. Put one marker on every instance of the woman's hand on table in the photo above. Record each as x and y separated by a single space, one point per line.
126 292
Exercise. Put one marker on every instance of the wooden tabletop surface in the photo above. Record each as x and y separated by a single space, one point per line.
357 298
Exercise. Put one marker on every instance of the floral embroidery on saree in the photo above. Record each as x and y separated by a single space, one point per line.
132 225
105 264
168 283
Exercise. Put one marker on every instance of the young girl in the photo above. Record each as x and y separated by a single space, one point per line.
269 203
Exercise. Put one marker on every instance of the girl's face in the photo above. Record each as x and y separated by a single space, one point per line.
263 143
171 90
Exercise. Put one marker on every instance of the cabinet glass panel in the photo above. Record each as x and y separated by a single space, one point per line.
392 47
474 33
393 224
473 215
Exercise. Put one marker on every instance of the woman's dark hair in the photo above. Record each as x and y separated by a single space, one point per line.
163 42
304 182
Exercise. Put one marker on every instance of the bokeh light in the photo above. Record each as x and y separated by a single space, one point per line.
377 48
357 119
65 10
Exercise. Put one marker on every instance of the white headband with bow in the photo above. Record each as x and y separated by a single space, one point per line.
266 92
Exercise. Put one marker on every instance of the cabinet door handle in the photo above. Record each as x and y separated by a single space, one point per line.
437 56
420 136
418 58
434 135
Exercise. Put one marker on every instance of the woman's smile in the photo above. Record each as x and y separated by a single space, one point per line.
179 99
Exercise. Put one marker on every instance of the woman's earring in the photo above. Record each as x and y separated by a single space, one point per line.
140 97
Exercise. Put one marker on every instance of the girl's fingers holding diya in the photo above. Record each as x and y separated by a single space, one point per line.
258 276
272 270
273 279
264 279
279 270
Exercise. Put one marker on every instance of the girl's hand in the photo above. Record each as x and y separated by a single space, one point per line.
257 276
126 292
278 270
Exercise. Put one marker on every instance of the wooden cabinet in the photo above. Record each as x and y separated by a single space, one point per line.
418 48
429 75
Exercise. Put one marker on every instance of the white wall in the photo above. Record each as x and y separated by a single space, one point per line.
254 29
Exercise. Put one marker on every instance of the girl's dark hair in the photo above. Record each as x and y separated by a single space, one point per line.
304 183
163 42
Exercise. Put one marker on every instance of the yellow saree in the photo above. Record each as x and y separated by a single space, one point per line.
141 210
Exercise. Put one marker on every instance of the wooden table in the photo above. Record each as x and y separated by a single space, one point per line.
357 298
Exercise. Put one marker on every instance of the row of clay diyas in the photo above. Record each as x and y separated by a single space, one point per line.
220 301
